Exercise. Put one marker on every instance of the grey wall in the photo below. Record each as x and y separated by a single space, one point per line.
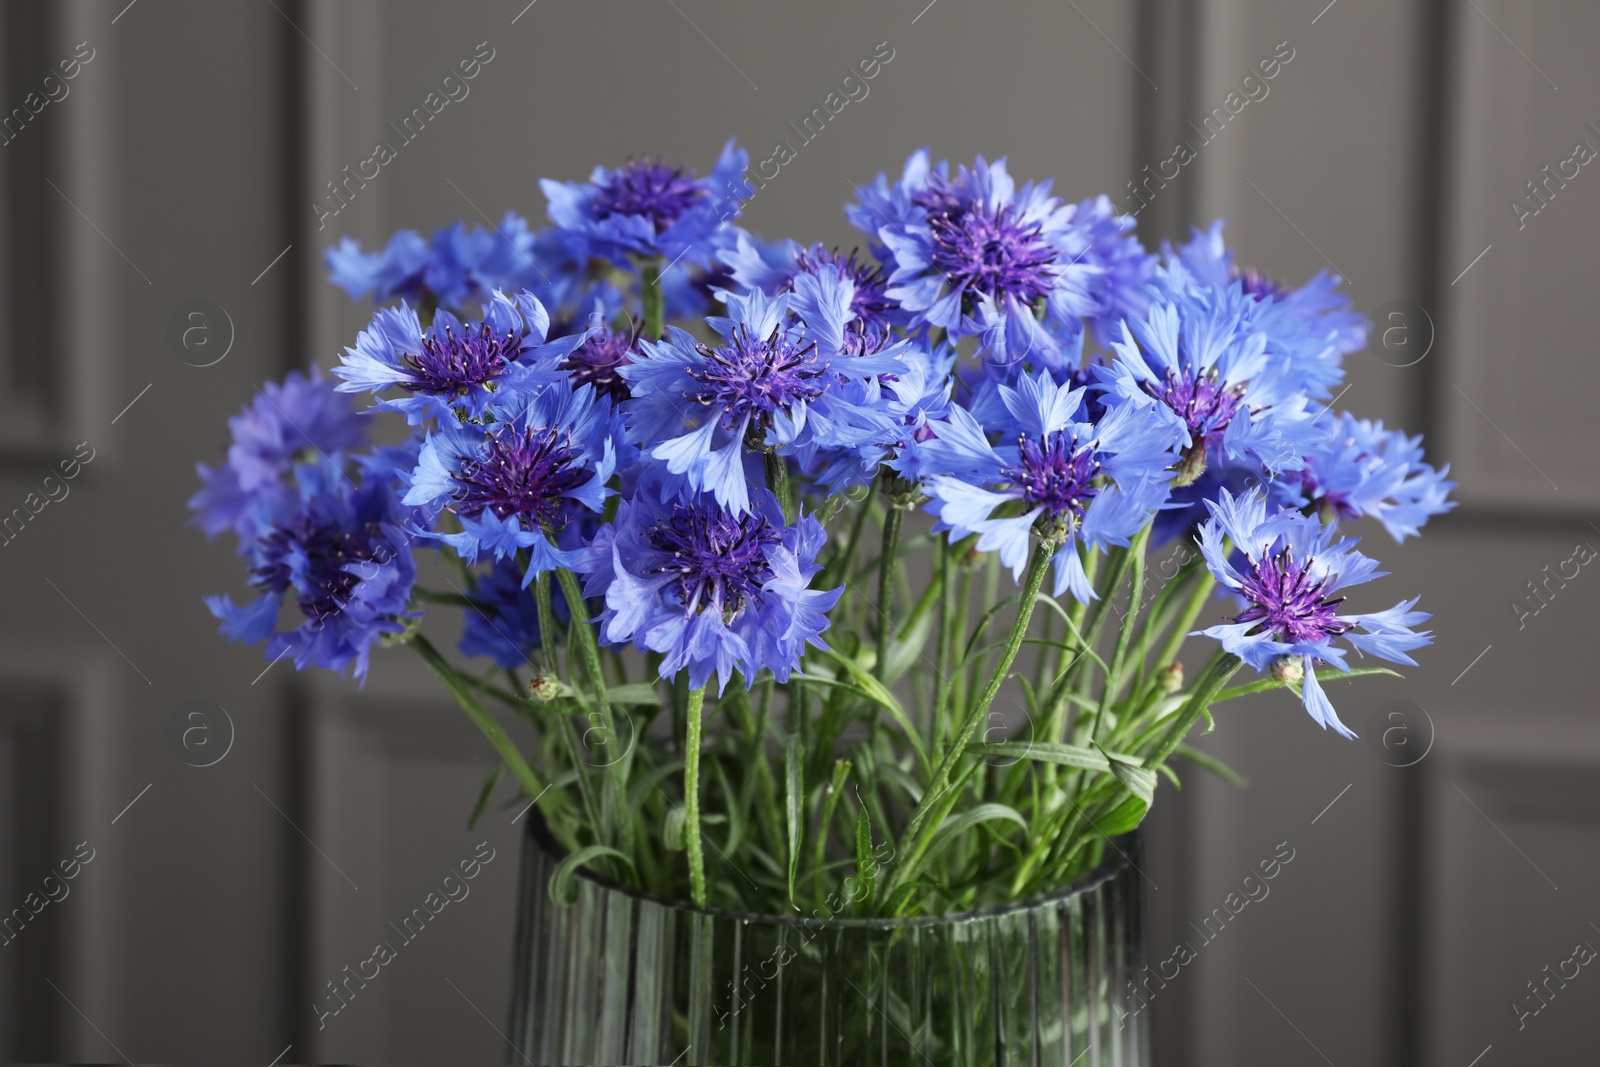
188 155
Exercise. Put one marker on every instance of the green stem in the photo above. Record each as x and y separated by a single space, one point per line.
496 734
621 817
547 622
840 564
1089 634
888 563
654 302
691 796
1119 657
1191 611
1206 687
941 655
920 830
777 471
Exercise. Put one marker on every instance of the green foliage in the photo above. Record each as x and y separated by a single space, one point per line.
961 743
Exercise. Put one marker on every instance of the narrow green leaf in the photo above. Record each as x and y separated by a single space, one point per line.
672 830
1212 764
905 649
983 623
634 693
866 863
563 890
485 793
874 690
1140 781
456 683
736 813
1087 759
953 828
793 799
1122 818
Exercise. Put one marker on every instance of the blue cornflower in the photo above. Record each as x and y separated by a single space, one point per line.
649 208
775 382
503 622
1292 570
974 255
452 366
458 265
342 553
984 256
712 590
515 482
1094 483
598 360
1359 469
305 417
774 268
1198 355
915 398
1310 324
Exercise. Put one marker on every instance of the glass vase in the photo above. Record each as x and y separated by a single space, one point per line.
624 977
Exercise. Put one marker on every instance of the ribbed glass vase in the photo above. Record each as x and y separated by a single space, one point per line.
622 977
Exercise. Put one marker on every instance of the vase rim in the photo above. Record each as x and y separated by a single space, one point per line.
1111 865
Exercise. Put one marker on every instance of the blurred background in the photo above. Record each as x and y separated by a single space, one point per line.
162 157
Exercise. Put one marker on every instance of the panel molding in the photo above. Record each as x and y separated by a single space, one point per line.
1503 113
1509 814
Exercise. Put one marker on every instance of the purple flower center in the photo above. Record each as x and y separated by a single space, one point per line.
719 559
1287 602
1056 473
1319 496
649 188
312 556
525 472
1204 403
751 378
450 365
870 304
1258 285
595 363
992 254
938 198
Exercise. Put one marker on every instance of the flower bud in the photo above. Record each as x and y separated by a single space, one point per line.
1170 677
545 688
1289 670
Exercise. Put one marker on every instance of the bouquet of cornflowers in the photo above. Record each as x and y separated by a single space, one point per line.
672 474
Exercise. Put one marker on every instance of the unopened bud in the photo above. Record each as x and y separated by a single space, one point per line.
1289 670
545 688
1170 678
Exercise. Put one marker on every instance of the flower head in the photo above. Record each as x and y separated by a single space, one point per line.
1291 572
1314 315
305 418
503 621
715 591
598 360
339 554
774 382
1199 356
650 208
974 255
774 268
1095 483
458 265
1359 469
514 481
452 368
